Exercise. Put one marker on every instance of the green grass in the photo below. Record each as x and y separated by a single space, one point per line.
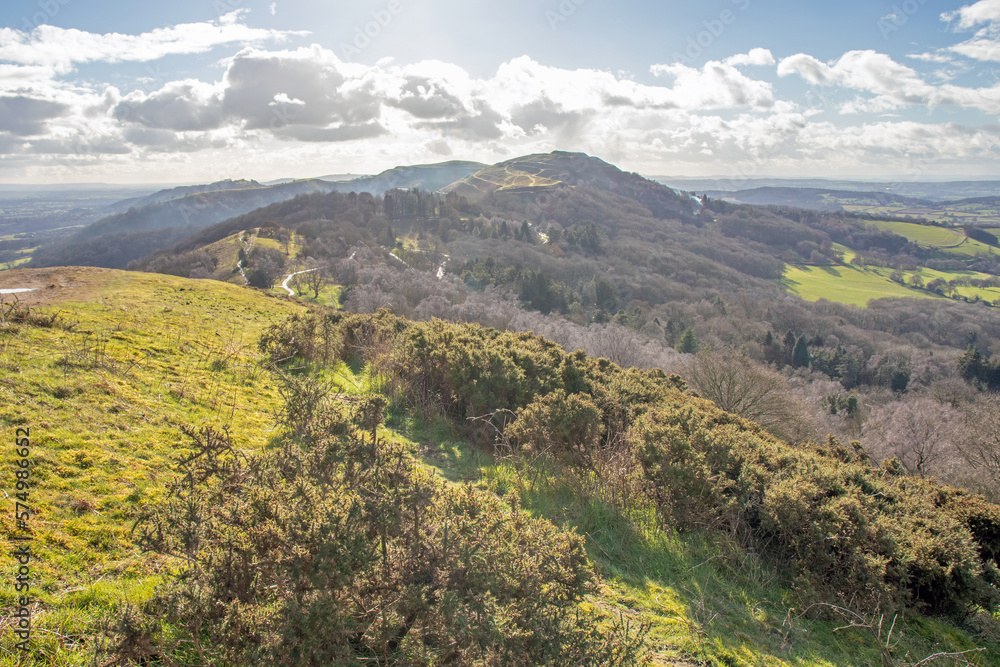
706 598
844 284
948 240
855 285
104 401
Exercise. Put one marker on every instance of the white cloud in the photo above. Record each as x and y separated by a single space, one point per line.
969 16
718 84
179 106
893 84
756 56
275 111
985 44
61 48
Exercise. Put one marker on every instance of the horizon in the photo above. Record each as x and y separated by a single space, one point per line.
197 92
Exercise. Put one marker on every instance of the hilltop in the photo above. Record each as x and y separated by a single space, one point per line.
533 175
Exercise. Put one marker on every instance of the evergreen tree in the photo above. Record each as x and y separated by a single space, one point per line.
800 353
688 344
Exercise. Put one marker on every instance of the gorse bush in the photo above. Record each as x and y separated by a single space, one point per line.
852 532
338 548
864 535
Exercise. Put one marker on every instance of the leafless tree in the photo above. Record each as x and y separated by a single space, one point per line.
316 279
920 432
739 385
980 443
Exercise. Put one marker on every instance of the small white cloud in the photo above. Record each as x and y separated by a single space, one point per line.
984 11
758 56
273 8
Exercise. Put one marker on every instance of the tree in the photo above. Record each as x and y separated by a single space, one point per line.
688 344
919 432
800 353
606 295
266 265
317 279
743 387
526 234
980 444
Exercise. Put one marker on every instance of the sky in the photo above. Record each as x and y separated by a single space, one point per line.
193 91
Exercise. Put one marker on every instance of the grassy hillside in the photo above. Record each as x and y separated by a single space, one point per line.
104 367
948 240
103 389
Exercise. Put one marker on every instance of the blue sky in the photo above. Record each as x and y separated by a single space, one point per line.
200 90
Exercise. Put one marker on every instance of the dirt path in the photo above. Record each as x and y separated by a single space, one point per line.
284 284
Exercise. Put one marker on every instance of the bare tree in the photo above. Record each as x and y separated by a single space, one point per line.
979 444
739 385
316 279
921 433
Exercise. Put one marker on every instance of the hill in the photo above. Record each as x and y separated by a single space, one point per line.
111 366
532 175
937 191
182 191
431 177
115 240
158 221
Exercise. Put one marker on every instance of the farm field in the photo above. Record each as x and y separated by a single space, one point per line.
948 240
845 284
855 285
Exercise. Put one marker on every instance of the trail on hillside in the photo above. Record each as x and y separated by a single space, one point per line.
284 284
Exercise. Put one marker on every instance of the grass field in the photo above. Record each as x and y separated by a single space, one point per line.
854 285
948 240
844 284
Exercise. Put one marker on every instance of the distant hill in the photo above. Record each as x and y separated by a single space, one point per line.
431 177
531 174
328 177
934 191
183 191
814 198
145 225
114 241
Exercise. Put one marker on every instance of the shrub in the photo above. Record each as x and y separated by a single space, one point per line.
564 425
347 552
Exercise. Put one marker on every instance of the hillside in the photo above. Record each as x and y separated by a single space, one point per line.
112 365
936 191
183 191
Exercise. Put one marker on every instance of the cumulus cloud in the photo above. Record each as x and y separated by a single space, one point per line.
26 116
717 84
179 106
984 16
277 109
